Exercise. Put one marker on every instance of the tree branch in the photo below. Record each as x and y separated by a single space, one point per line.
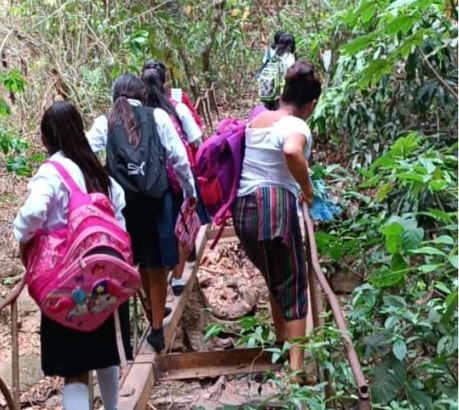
437 75
220 7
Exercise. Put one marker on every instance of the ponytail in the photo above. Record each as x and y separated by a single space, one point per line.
126 86
122 113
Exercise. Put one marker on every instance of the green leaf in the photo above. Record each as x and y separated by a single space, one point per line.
392 234
382 192
374 71
405 145
367 11
428 250
411 238
444 239
399 350
398 263
451 308
384 277
4 108
360 43
395 301
418 397
388 379
453 261
13 81
430 267
213 330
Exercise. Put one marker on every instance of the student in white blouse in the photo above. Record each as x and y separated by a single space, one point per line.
173 94
191 135
66 352
149 221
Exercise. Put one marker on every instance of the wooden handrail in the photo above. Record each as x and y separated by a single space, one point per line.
311 247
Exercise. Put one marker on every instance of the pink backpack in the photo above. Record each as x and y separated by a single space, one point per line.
175 186
218 168
80 274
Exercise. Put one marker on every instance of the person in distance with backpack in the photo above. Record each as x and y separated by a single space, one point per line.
271 51
274 172
271 76
190 135
138 141
175 94
65 352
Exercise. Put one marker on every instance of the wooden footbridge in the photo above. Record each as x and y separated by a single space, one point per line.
149 368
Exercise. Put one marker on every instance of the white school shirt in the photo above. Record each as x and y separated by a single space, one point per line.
46 206
286 61
192 131
264 160
170 140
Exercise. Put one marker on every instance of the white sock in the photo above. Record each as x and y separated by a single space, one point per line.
108 380
177 282
76 396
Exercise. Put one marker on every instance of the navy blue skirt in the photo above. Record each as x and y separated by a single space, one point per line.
151 224
68 352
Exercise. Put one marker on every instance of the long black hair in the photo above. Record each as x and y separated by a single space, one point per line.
126 86
62 130
156 93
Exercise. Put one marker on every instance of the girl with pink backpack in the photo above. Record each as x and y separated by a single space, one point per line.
191 135
73 167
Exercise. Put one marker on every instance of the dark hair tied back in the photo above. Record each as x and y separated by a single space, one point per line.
301 84
156 94
126 86
156 66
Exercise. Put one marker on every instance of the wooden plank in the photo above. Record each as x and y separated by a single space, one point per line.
212 364
228 232
136 386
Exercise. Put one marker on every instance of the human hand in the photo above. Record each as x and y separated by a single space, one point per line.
23 247
308 198
192 202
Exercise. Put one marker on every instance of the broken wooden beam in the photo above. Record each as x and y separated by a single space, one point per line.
198 365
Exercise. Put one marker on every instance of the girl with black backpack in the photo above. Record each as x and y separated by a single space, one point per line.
138 141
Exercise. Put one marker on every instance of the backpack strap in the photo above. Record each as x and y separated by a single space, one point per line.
66 178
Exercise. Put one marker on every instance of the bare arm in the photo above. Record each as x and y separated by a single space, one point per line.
296 163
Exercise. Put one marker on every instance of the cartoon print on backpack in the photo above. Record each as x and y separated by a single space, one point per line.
104 295
81 304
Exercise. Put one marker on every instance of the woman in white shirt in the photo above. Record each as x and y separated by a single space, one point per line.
149 221
265 215
66 352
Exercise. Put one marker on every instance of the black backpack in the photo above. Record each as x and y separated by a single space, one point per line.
141 169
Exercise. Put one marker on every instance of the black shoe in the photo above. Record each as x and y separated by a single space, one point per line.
177 286
156 339
192 256
167 312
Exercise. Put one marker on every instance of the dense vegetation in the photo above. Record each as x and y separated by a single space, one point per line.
389 110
